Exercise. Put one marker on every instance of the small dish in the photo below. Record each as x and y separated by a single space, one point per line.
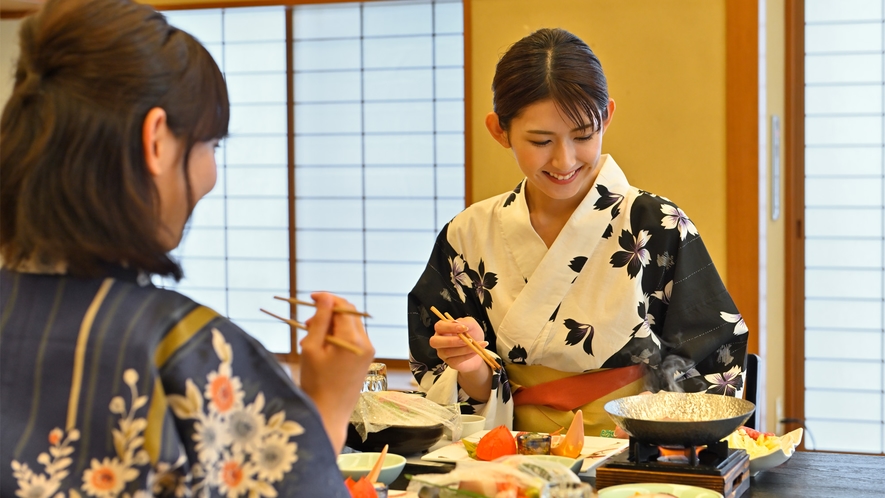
789 442
677 490
573 464
356 465
470 424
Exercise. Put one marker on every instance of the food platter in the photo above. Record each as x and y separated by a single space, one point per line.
596 450
677 490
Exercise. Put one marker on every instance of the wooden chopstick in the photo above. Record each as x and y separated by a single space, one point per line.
376 469
329 338
336 309
490 361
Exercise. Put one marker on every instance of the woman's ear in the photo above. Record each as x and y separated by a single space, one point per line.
494 126
158 142
611 114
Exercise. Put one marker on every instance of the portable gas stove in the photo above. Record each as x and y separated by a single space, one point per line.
714 466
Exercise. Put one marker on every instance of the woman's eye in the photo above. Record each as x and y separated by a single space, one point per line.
540 144
585 138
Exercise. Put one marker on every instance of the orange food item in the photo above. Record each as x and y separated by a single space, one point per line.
360 489
573 442
753 433
497 443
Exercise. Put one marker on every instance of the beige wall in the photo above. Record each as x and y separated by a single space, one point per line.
772 343
8 56
665 63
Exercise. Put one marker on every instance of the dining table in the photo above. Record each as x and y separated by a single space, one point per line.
807 474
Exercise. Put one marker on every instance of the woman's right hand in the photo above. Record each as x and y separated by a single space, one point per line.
333 377
452 350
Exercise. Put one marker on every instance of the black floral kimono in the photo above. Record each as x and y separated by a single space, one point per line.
111 388
628 281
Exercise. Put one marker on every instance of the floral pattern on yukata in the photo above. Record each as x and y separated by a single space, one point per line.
240 451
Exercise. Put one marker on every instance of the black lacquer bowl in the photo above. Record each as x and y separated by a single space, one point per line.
679 419
403 440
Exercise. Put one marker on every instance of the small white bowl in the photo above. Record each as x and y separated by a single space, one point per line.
777 456
356 465
470 424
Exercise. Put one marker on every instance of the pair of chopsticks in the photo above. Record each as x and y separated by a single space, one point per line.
486 357
329 338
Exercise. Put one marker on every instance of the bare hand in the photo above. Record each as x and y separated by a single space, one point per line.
452 350
333 377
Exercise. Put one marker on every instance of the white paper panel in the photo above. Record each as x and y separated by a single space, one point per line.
831 130
847 99
258 181
843 314
847 374
318 150
844 10
853 37
255 24
845 436
844 344
450 148
397 18
329 181
399 149
392 278
399 52
398 84
205 25
331 86
843 69
388 311
327 54
843 192
329 213
450 181
246 305
844 161
448 17
860 222
257 119
389 342
331 277
203 273
450 83
328 118
203 242
833 253
258 243
263 213
842 283
248 88
398 117
396 246
851 405
449 50
450 116
209 212
399 214
405 181
326 21
255 57
446 210
258 274
330 245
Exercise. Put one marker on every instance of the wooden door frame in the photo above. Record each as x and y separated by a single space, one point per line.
794 216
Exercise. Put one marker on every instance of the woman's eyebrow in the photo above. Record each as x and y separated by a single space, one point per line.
545 132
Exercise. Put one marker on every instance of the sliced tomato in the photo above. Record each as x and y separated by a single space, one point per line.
753 433
497 443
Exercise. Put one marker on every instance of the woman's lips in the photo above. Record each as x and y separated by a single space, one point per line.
563 179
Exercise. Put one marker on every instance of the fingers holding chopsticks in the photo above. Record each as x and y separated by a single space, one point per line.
461 343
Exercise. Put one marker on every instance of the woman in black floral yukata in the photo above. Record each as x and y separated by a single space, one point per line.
584 287
112 387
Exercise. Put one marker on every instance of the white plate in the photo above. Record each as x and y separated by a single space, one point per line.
596 450
678 490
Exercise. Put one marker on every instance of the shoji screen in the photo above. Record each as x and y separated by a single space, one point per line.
235 253
379 159
379 150
845 235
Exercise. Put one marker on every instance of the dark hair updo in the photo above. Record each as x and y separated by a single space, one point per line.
551 64
74 186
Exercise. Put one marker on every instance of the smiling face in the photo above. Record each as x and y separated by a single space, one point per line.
560 160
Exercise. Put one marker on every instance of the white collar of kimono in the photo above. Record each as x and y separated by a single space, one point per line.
540 297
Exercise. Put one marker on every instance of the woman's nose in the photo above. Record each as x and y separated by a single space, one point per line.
564 156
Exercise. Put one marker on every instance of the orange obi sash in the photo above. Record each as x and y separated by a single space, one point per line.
571 393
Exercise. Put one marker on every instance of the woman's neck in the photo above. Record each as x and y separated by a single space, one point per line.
549 216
